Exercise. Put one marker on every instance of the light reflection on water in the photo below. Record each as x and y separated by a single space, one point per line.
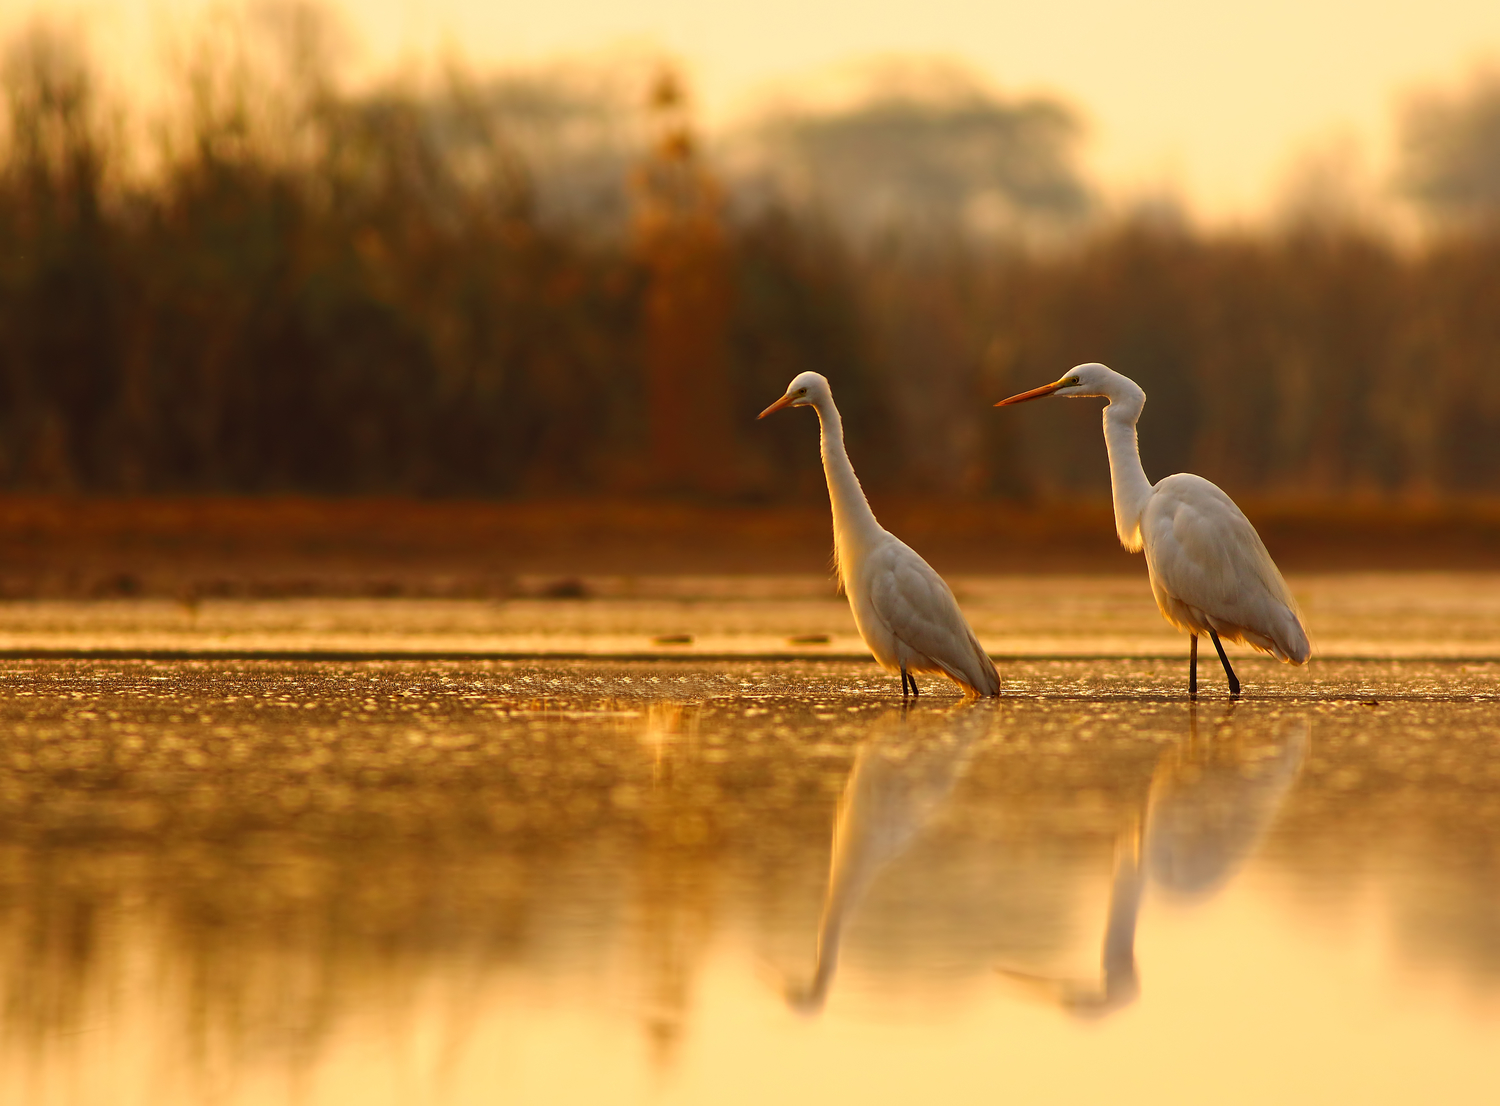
479 882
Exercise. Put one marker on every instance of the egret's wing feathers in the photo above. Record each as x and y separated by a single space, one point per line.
1204 553
919 610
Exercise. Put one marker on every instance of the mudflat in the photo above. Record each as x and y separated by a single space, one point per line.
193 547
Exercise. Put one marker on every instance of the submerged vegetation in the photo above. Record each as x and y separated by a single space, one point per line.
502 287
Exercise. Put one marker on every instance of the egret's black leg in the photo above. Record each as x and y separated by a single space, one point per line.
914 691
1192 666
1234 681
904 678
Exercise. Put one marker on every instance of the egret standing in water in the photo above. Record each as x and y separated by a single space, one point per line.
1209 570
905 612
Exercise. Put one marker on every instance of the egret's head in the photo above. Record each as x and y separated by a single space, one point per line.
805 388
1092 379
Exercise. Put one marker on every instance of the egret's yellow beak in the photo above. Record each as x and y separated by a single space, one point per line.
1035 393
784 401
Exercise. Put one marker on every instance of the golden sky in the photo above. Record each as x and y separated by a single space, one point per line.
1214 101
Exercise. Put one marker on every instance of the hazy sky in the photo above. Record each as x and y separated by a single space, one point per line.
1213 100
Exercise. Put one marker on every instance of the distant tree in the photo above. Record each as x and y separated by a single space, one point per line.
59 295
1450 154
681 244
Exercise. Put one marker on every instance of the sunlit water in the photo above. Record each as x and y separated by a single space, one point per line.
1450 616
694 881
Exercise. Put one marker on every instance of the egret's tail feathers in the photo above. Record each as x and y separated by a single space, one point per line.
1294 645
985 687
988 682
982 679
989 687
1287 642
1289 639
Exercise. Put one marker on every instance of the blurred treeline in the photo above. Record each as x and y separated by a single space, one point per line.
508 286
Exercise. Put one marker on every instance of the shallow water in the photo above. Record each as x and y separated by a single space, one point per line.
392 881
1349 616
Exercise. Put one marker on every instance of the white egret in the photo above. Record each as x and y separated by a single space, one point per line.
905 612
1209 570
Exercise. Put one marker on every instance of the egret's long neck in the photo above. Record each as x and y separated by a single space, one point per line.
1126 476
854 525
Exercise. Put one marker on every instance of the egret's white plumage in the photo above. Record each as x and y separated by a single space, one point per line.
905 612
1209 570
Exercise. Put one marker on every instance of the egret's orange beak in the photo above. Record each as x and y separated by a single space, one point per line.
1035 393
784 401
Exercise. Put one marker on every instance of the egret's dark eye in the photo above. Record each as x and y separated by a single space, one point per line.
1073 381
802 391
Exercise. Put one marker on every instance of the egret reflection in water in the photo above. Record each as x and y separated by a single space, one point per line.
1209 805
901 780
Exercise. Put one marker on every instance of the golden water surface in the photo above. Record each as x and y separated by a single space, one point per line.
410 881
336 851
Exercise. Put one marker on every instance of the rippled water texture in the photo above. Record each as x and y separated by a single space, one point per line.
398 881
